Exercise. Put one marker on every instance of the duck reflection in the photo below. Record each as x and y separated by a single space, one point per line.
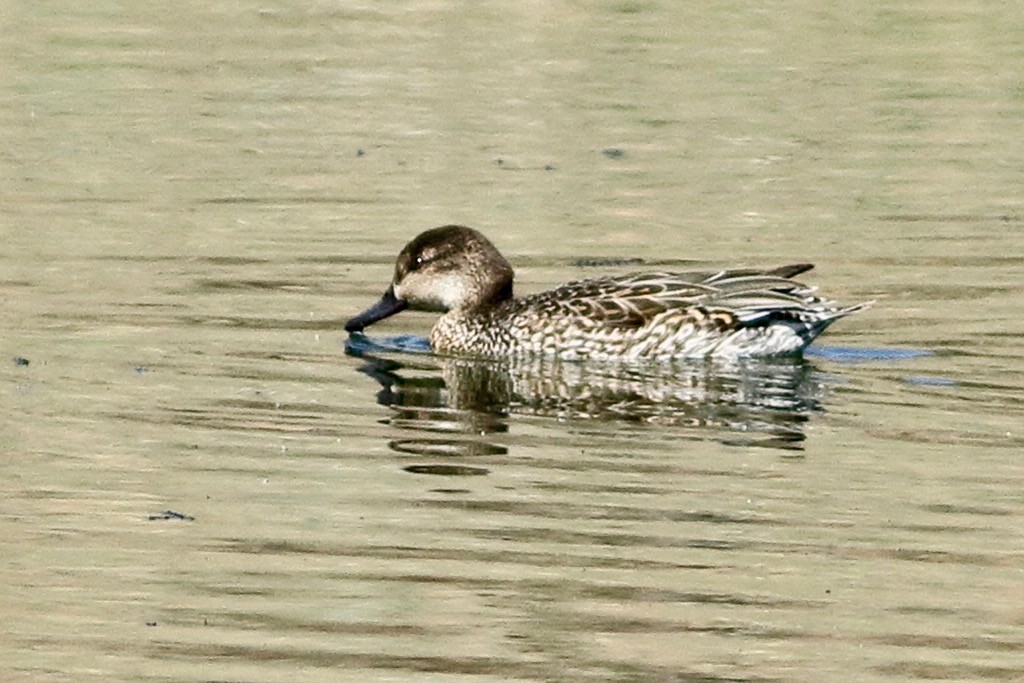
764 402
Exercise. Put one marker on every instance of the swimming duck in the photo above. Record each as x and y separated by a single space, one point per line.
455 270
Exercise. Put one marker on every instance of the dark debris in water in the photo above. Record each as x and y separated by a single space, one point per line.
171 514
609 262
613 152
506 165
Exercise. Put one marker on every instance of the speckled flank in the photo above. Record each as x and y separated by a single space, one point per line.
644 315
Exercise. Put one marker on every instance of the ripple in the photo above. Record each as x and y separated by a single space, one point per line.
358 344
447 470
852 355
923 381
446 448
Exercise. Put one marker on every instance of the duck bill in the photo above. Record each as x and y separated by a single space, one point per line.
388 305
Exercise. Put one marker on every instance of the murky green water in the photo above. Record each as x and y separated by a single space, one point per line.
195 196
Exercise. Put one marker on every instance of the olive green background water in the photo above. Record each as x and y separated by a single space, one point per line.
194 196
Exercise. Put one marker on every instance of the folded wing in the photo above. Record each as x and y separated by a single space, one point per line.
727 299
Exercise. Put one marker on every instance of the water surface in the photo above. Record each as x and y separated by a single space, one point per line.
194 199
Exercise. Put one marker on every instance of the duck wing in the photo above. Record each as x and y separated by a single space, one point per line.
725 299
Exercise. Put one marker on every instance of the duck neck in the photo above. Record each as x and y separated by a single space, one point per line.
503 291
496 291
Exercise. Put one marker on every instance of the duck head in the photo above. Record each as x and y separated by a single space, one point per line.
443 269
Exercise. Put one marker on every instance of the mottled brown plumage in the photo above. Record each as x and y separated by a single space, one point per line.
745 312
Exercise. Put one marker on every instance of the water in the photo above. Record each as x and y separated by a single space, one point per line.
204 481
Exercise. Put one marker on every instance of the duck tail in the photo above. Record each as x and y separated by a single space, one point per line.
832 316
791 270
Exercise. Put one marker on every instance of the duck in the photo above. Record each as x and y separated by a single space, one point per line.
456 271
